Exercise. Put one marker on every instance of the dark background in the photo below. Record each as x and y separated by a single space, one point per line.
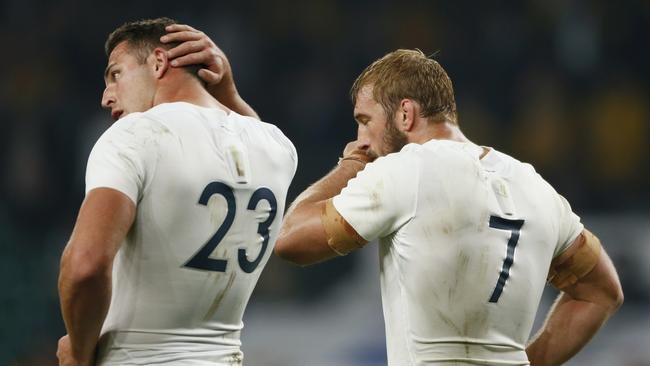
563 85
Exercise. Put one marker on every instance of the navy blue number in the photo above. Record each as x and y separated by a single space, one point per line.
201 260
262 228
514 226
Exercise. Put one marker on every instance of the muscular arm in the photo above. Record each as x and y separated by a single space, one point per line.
197 48
105 217
580 310
302 239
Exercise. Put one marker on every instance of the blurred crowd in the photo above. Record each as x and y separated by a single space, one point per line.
563 85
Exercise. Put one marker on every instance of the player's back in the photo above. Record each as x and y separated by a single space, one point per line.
462 279
211 197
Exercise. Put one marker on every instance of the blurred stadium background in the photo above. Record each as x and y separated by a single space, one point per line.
564 85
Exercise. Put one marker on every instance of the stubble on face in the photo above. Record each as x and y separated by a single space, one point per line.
381 130
393 139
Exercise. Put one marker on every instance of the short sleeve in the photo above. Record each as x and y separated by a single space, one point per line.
570 226
118 159
284 141
382 197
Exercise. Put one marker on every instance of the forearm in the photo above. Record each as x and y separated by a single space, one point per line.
570 325
302 239
230 98
328 186
85 300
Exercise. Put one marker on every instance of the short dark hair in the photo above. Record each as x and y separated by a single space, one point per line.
409 74
142 37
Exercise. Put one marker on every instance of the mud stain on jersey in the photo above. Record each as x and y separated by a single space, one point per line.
220 296
446 228
375 196
151 133
475 323
375 201
429 233
463 261
461 271
483 261
445 319
236 360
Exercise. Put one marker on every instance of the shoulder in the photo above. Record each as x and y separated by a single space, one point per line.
268 128
269 132
527 176
397 161
132 134
397 169
120 130
451 151
440 158
382 197
136 124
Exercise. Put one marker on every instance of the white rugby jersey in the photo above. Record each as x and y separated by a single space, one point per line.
210 189
465 247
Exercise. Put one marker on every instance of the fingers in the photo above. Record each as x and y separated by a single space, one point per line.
205 57
359 151
182 36
61 348
186 49
210 77
191 40
191 59
353 146
179 28
196 48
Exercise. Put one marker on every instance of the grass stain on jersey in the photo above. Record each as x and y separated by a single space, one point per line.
220 296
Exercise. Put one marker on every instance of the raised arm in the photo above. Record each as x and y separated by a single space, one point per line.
105 217
197 48
312 230
591 293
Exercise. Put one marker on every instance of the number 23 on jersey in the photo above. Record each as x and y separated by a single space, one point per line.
201 260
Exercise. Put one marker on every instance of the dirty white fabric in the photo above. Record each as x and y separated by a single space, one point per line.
465 246
210 190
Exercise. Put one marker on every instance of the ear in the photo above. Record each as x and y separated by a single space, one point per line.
406 115
160 62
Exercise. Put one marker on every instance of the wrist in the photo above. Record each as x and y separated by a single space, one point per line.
357 156
352 159
351 166
85 357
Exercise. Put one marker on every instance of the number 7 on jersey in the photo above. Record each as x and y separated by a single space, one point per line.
514 226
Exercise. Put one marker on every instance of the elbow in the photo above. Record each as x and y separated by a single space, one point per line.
612 297
617 297
301 240
80 267
288 250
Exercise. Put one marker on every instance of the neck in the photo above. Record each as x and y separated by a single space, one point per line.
179 86
439 130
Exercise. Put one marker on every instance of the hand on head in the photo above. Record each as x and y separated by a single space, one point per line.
197 48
